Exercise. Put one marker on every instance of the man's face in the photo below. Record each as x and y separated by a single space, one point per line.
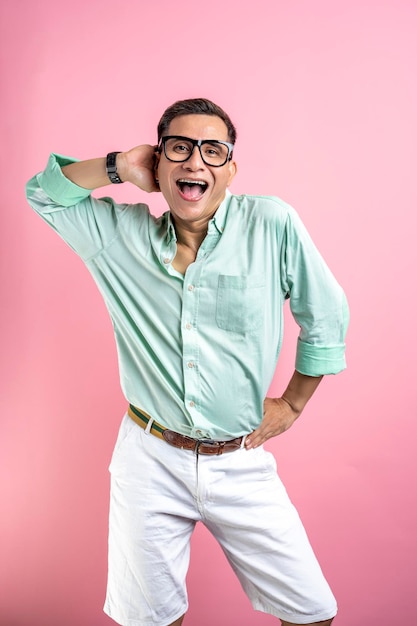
192 189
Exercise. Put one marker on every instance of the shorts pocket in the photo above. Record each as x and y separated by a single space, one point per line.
127 427
240 302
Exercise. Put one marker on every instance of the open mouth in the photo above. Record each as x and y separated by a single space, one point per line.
191 189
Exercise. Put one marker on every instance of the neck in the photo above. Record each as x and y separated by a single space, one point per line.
190 235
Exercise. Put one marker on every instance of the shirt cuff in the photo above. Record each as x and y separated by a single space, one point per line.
57 186
314 360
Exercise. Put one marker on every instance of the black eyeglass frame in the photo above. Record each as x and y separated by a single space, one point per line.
199 143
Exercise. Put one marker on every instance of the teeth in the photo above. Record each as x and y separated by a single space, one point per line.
189 181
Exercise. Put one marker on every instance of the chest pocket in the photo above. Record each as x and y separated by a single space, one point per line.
240 302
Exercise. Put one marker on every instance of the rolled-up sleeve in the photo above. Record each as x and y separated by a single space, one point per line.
317 303
62 191
87 224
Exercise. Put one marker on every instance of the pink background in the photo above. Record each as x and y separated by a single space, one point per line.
324 97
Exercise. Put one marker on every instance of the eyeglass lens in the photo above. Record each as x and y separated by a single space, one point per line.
180 149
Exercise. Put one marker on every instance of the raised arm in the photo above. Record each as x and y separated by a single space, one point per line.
136 166
61 195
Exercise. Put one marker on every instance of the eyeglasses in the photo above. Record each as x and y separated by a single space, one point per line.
179 149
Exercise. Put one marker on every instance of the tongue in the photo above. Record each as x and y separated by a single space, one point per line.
192 192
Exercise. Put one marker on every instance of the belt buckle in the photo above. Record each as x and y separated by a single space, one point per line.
209 442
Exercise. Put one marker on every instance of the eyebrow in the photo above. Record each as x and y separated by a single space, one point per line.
223 141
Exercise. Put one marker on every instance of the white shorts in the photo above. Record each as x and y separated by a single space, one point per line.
159 492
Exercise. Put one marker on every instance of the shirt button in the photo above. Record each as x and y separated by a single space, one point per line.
188 326
191 403
190 287
190 364
167 260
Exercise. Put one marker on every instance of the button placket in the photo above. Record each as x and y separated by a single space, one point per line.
189 327
167 255
190 344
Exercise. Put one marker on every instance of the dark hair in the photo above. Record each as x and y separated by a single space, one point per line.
195 106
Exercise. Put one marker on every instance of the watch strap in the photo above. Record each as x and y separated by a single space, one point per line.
111 168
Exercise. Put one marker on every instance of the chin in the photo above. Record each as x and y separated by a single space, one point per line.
189 213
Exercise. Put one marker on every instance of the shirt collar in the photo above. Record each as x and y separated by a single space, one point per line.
171 234
219 218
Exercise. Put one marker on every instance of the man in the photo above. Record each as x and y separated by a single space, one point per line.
196 300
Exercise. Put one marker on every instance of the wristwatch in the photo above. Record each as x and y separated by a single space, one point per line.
111 168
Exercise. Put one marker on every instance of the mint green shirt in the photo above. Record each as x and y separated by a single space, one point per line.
198 352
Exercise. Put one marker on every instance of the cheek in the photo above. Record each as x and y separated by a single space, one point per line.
167 187
164 173
223 182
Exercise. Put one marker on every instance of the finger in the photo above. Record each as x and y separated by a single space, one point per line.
255 439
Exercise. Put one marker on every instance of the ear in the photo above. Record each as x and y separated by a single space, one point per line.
157 157
232 171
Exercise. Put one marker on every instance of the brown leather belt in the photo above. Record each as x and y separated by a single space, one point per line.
199 446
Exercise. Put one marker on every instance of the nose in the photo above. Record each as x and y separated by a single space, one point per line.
195 161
